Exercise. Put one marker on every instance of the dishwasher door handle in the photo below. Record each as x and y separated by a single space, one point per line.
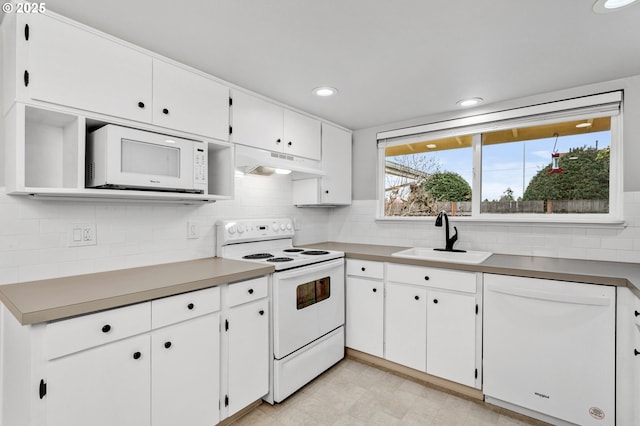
552 296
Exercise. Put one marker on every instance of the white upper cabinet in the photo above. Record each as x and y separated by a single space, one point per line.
334 188
256 122
264 125
70 66
186 101
301 135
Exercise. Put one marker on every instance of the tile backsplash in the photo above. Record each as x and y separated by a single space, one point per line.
357 224
34 235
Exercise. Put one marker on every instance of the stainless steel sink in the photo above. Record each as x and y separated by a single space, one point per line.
426 253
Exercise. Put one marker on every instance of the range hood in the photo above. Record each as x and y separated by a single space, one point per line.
250 160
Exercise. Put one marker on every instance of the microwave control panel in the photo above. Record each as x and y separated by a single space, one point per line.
200 170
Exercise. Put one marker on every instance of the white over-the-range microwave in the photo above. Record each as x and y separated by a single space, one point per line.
124 158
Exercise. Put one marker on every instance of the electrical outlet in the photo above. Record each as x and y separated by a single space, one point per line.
82 234
193 230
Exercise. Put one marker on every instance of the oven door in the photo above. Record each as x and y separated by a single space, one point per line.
308 302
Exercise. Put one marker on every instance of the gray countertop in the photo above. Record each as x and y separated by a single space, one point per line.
586 271
47 300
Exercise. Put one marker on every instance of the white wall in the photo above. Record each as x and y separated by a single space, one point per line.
357 223
34 234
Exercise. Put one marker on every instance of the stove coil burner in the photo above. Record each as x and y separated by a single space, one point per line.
258 256
280 259
315 252
293 250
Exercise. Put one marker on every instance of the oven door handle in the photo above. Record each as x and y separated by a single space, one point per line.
311 268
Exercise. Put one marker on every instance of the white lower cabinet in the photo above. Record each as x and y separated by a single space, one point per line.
451 336
103 386
424 318
364 325
245 344
406 325
248 354
185 373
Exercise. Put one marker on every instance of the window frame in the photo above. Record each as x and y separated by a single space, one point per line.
605 104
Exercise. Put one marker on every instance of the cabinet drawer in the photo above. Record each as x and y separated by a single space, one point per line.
432 277
246 291
171 310
75 334
365 268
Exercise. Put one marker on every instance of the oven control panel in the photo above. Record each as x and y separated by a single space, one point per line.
230 231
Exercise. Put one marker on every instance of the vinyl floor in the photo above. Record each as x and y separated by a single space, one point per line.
352 393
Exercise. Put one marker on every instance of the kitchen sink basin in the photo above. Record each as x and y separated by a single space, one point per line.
426 253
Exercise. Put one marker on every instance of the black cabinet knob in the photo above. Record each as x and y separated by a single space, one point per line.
636 313
167 345
165 111
426 277
375 289
190 306
364 269
435 301
635 352
290 143
261 312
140 104
137 355
278 140
106 328
326 191
417 297
250 291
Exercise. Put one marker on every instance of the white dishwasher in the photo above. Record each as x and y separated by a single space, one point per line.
549 349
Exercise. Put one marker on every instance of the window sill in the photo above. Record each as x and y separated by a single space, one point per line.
570 222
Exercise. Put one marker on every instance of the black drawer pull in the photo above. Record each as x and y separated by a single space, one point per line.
278 141
375 289
364 269
435 300
190 306
165 111
635 352
137 355
636 313
167 345
290 143
417 297
261 312
426 277
106 328
140 104
250 291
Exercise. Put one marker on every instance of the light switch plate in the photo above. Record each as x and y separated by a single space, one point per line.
193 230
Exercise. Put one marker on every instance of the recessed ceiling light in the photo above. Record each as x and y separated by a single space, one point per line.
468 102
581 125
606 6
325 91
432 145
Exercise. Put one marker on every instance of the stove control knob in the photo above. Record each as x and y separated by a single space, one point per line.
231 229
282 226
274 226
289 227
240 229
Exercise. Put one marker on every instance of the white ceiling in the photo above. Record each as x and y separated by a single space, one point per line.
390 60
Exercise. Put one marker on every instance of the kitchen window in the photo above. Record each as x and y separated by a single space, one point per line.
554 162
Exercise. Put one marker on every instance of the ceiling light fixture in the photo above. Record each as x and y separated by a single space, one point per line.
432 145
606 6
469 102
325 91
582 125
